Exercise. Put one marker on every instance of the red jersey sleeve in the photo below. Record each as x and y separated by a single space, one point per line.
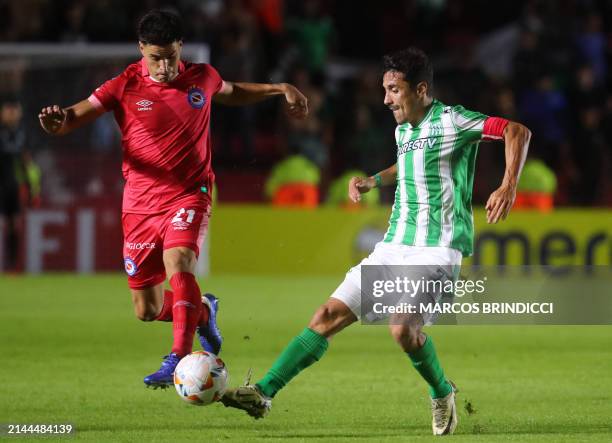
215 79
109 94
494 128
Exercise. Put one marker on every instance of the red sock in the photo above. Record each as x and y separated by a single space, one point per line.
186 311
166 311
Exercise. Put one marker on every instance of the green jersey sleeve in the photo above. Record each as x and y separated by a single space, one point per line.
468 124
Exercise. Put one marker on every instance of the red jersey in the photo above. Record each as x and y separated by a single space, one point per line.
165 131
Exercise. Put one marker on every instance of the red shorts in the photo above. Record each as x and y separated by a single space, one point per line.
146 236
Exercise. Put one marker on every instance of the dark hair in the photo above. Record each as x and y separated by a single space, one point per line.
158 27
413 63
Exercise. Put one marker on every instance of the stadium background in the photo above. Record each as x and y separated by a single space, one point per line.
543 63
539 62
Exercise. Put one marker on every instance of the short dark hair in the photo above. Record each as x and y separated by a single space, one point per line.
159 27
413 63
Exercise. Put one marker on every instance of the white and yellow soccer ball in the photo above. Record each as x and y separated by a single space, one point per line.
200 378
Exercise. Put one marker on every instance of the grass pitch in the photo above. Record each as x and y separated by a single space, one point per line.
72 351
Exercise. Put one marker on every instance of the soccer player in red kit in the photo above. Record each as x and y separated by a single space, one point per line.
162 106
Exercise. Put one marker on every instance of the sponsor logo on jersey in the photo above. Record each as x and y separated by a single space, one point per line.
196 97
413 145
145 105
133 245
130 266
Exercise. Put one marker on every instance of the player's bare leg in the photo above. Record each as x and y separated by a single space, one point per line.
179 259
304 350
148 302
331 317
406 329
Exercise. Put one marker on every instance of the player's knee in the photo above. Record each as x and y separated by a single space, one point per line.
148 302
144 313
179 260
322 320
330 319
406 335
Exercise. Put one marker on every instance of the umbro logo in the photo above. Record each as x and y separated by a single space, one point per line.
144 105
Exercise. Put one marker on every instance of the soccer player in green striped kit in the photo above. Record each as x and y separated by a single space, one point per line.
431 223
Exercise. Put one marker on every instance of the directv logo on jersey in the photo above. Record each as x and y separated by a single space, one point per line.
144 105
413 145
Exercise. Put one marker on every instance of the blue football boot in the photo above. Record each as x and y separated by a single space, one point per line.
209 334
165 376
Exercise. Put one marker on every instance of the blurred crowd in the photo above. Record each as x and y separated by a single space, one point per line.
545 63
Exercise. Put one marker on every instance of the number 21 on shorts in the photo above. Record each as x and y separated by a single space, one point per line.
180 221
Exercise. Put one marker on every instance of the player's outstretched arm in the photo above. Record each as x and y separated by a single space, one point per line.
59 121
238 94
361 185
516 138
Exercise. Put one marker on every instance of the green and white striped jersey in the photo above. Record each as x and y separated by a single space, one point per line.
435 175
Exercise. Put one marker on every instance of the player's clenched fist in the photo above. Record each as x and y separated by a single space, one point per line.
358 186
52 118
297 103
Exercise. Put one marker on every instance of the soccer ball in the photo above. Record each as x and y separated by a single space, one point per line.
200 378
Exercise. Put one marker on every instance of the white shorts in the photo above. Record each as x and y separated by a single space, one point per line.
387 254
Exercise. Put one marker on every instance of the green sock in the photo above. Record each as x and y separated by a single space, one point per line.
426 362
301 352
